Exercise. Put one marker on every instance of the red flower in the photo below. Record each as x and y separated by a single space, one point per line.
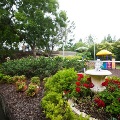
79 78
80 75
91 85
96 100
105 83
78 83
100 103
119 99
86 85
106 79
89 79
77 89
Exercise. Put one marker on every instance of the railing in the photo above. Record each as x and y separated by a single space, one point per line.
112 64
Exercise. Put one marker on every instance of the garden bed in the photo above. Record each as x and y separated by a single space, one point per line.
22 107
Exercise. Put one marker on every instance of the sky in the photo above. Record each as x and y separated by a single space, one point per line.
97 18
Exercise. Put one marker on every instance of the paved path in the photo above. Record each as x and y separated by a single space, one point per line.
115 72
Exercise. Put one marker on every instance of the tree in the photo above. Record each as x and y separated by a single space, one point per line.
109 39
66 36
89 40
37 21
8 36
116 49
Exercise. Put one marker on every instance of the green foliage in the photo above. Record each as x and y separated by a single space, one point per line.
35 80
53 102
20 86
6 79
111 96
41 67
32 90
61 81
74 63
56 108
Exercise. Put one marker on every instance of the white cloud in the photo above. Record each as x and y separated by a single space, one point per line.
96 17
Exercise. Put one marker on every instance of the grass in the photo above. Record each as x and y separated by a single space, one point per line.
117 66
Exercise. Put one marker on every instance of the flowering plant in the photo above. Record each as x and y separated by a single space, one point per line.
109 99
111 96
82 86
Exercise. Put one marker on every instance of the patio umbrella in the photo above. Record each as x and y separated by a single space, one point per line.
81 49
103 52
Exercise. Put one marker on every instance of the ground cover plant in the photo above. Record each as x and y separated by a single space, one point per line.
70 85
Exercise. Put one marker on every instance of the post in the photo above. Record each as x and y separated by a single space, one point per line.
63 49
94 49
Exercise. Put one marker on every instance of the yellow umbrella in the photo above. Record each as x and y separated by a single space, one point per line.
104 52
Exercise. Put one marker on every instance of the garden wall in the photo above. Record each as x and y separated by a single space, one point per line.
4 110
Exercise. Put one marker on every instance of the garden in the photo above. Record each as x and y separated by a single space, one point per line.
39 89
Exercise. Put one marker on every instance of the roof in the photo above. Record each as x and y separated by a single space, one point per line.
104 52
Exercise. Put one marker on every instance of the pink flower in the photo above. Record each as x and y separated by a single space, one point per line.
77 89
78 83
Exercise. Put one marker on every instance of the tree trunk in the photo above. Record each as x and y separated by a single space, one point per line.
33 51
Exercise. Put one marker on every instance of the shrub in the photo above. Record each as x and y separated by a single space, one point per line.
35 80
32 90
56 108
111 96
6 79
41 67
54 103
21 86
61 81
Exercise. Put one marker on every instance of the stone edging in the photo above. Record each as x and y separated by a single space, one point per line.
70 102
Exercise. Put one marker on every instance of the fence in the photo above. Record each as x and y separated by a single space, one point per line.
106 64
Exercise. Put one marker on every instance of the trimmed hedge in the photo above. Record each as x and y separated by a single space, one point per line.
42 66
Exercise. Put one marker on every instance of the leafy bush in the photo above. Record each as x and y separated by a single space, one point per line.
21 86
6 79
111 96
54 103
35 80
42 66
62 80
82 87
56 108
32 90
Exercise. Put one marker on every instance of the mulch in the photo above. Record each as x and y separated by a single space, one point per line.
22 107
